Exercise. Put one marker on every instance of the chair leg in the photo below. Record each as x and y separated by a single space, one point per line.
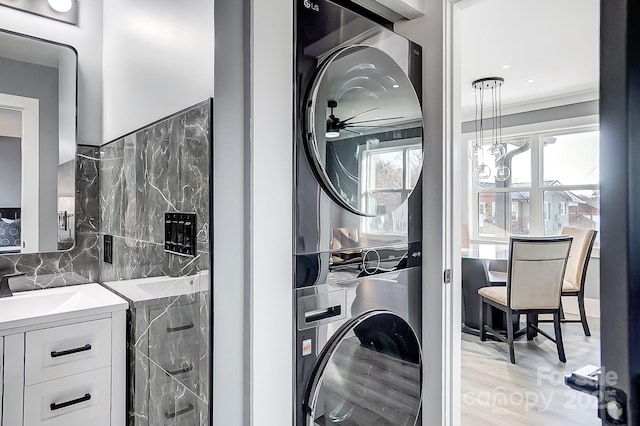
512 355
559 344
530 330
583 315
483 320
561 310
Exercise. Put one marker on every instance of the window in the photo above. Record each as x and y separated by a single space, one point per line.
553 183
515 210
547 211
392 172
492 222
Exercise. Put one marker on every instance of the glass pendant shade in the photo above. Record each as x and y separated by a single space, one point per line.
488 123
502 173
475 153
497 152
482 172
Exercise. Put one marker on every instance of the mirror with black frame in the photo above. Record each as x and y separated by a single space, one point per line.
38 87
364 130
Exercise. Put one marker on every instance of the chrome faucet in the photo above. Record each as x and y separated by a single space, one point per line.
5 289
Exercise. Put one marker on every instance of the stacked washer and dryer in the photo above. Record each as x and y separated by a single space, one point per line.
358 220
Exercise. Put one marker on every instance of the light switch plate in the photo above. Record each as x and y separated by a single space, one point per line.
180 233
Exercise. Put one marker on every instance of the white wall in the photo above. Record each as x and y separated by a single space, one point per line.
158 60
231 223
86 38
271 212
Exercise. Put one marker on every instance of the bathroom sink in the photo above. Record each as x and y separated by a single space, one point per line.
38 306
143 289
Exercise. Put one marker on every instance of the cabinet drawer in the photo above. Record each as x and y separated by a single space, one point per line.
79 400
181 365
62 351
172 405
173 328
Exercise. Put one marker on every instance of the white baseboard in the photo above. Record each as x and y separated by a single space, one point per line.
592 306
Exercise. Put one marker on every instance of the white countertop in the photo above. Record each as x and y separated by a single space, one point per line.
144 289
56 304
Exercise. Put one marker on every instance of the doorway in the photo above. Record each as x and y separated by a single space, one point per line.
550 137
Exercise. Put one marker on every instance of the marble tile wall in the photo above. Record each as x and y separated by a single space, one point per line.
80 264
162 168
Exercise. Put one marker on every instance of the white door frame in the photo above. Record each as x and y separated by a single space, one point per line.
30 176
441 301
453 153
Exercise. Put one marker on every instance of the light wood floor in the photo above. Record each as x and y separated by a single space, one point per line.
532 392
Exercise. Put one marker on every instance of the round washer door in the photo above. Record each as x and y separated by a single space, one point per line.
363 130
370 373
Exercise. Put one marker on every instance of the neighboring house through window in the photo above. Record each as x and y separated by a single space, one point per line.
554 182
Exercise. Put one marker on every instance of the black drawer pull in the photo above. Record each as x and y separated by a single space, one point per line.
179 412
55 354
181 371
86 397
180 328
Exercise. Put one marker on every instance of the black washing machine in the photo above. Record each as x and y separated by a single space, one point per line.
358 220
358 339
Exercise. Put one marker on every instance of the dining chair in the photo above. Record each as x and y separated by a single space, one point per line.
576 272
534 284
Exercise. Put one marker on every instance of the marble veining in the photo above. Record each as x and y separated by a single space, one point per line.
162 168
80 264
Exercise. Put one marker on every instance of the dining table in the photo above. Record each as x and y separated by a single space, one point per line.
483 264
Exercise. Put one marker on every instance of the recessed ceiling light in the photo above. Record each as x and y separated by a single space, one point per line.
529 81
504 67
395 86
62 6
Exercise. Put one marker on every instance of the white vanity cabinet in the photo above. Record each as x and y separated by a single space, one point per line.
66 367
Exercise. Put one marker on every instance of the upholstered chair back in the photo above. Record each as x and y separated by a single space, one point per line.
536 271
581 246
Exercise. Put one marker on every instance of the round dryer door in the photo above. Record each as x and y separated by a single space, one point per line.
370 373
363 130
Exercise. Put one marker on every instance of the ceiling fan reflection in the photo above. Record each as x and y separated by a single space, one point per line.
335 125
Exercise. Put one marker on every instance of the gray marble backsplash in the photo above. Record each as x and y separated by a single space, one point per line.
80 264
162 168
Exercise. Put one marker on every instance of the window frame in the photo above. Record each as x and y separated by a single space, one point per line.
364 186
536 189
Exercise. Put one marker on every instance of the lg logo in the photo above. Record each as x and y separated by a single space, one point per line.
310 5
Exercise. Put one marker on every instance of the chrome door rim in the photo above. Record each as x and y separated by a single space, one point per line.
327 353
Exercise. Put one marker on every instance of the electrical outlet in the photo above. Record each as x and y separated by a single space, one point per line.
107 249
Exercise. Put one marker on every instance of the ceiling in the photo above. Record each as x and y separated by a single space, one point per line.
554 43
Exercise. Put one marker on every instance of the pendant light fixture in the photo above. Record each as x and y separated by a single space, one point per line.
491 88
